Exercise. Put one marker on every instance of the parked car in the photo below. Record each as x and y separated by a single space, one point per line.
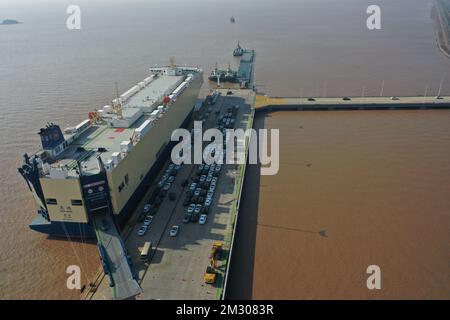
147 208
186 218
193 186
158 201
174 231
346 98
166 186
311 99
148 221
187 201
191 208
195 217
142 230
195 199
202 219
198 208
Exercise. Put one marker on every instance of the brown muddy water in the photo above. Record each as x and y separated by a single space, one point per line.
355 188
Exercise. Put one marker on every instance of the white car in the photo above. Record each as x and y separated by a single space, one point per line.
142 230
208 202
174 231
147 208
202 219
148 221
193 186
191 208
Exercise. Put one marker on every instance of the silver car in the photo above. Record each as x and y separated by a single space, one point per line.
174 231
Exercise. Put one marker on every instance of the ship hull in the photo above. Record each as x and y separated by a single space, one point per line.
85 230
62 229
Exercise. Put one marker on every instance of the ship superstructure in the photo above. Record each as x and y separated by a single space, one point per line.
103 165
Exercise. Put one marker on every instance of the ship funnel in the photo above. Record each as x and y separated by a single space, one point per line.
51 136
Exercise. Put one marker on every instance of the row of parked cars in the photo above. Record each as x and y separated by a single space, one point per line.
161 191
200 194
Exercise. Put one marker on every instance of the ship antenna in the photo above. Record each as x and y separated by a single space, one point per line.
172 62
118 108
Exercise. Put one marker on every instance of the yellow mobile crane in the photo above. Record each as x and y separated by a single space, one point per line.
211 273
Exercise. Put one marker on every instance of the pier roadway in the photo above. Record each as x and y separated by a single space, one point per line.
123 284
177 264
267 103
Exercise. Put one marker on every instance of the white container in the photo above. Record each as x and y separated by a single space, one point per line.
70 130
143 129
116 157
109 165
107 109
83 125
154 114
125 146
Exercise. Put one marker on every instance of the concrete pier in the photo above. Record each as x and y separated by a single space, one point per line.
266 103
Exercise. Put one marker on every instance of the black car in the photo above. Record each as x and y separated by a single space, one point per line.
346 98
311 99
187 218
229 93
187 201
194 199
195 217
158 201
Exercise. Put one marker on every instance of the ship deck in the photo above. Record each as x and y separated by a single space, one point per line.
85 147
